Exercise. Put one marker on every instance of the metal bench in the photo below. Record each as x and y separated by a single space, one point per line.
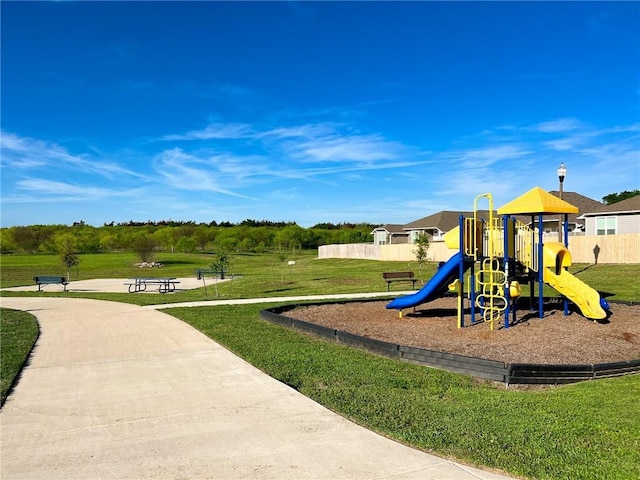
390 277
202 272
49 280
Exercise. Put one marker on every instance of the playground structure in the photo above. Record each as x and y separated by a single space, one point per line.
501 252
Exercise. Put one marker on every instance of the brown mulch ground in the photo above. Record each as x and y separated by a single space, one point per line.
554 339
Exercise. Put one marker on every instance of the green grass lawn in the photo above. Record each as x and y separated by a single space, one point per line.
582 431
18 333
255 275
587 430
263 275
20 269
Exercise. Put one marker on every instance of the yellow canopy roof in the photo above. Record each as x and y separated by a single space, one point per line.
536 200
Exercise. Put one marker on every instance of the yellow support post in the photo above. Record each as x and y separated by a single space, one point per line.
457 287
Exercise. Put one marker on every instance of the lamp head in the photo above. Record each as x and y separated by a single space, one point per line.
562 172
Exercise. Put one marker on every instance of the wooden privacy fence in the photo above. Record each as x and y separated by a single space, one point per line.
364 251
622 248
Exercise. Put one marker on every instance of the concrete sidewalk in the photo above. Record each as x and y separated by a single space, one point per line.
297 298
116 391
115 285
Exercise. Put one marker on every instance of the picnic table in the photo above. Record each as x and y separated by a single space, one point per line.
165 284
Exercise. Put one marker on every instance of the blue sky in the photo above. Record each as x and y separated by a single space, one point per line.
380 112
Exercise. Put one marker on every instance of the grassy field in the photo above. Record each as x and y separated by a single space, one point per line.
19 333
583 431
264 275
20 269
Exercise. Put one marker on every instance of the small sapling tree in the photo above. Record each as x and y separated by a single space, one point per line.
220 264
66 244
422 248
221 260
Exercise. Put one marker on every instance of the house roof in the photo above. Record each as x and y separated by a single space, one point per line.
584 204
391 228
447 219
443 221
537 201
630 205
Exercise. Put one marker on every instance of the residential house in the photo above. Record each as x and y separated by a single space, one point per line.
605 233
438 224
575 220
617 218
390 234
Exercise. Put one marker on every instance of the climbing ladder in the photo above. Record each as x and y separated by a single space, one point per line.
491 298
491 278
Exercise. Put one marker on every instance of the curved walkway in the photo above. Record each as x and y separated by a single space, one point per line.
118 391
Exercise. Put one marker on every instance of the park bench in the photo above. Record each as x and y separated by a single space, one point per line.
164 284
202 272
390 277
48 280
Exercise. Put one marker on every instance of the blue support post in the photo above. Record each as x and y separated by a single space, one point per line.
513 262
472 285
461 265
531 278
506 238
565 228
540 268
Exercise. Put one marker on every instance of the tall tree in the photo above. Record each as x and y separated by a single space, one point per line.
144 245
29 239
203 236
618 197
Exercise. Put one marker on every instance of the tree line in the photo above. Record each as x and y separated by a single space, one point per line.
188 236
170 236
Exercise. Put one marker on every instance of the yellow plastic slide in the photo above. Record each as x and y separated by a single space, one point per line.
586 298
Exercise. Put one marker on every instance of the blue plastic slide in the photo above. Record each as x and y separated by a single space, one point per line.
435 288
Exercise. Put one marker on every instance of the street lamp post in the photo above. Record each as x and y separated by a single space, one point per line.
562 172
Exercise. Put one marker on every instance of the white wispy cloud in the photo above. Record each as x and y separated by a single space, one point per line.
308 131
600 160
311 152
480 158
616 154
214 131
581 136
260 167
559 125
582 141
28 153
565 144
16 153
231 174
188 172
356 148
49 188
319 142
